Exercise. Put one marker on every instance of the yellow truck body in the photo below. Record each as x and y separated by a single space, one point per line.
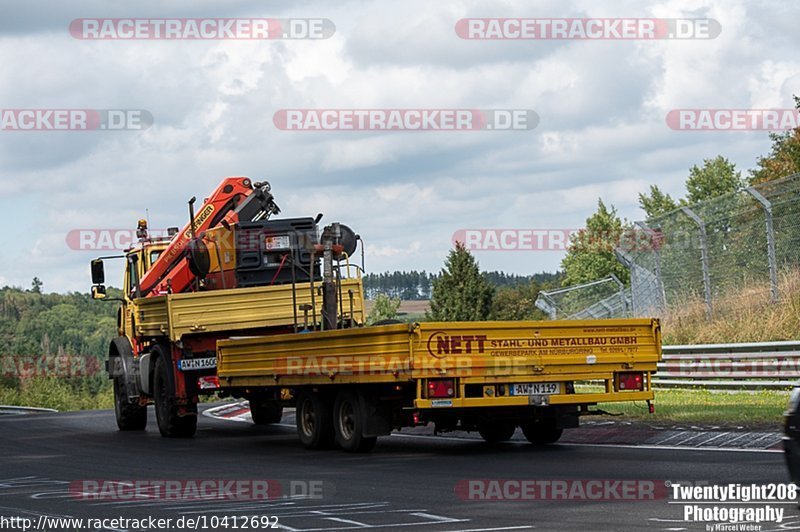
237 309
484 358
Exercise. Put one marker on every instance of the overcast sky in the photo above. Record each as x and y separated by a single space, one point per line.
602 130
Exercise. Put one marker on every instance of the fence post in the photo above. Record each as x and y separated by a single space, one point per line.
548 305
703 257
662 294
773 267
621 293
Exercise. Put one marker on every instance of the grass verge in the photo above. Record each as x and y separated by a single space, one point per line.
60 394
743 315
762 409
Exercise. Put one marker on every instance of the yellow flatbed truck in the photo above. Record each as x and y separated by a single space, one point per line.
272 311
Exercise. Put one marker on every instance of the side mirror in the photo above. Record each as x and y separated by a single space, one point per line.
98 292
98 273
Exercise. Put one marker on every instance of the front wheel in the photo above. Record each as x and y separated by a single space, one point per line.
542 432
130 416
171 423
349 423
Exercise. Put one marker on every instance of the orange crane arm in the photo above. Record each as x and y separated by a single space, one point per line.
235 199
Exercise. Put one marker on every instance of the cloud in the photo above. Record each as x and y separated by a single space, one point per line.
602 132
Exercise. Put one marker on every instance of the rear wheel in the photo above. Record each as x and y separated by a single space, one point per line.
314 421
170 423
349 423
265 412
130 416
497 430
542 432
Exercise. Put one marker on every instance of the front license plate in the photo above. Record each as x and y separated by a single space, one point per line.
188 364
536 388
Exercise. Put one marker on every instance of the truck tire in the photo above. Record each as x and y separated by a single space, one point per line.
170 424
497 430
314 421
542 432
130 416
348 423
265 412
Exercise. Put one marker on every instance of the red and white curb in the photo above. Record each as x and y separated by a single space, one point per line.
232 412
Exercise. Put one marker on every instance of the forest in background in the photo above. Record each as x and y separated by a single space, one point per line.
415 286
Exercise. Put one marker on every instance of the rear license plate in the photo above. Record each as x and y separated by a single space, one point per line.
536 388
188 364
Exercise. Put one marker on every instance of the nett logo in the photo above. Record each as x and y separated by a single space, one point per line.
441 344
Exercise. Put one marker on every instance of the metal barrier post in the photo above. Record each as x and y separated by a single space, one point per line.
773 266
703 257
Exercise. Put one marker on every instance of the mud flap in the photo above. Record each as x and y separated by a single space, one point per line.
121 363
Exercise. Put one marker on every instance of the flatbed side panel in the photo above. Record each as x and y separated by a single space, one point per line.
233 309
473 351
481 350
152 316
368 354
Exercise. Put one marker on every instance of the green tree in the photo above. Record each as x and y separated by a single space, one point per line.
460 292
517 303
36 285
656 202
591 253
783 158
384 308
716 177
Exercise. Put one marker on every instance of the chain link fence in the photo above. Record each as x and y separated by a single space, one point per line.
743 245
701 259
604 298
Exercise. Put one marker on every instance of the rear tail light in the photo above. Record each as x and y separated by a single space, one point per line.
441 388
208 383
630 381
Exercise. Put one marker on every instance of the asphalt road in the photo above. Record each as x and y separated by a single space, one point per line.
407 483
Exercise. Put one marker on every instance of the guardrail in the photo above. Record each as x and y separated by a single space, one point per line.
730 366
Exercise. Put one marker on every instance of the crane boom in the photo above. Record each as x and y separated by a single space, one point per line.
235 199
